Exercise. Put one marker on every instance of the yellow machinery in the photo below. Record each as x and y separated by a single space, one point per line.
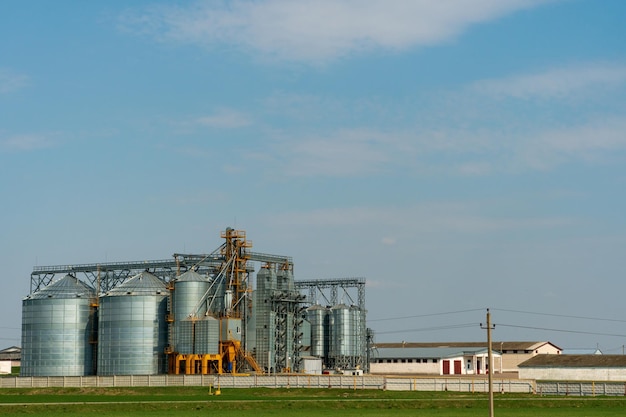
233 276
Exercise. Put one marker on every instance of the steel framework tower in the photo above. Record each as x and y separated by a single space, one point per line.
346 330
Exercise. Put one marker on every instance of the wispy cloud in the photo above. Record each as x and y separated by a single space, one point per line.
345 152
594 142
224 119
11 81
555 83
27 142
318 30
451 151
454 217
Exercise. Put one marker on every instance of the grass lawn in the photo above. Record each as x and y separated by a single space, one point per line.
261 402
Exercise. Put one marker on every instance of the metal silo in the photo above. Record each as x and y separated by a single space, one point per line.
265 318
318 317
207 336
56 328
189 288
132 327
341 331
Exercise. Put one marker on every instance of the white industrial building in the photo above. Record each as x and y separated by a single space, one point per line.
574 368
433 361
512 353
9 358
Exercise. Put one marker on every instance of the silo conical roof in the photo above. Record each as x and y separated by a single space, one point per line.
144 283
67 287
191 276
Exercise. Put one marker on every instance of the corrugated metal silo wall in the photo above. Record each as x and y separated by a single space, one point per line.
318 317
132 335
207 336
55 337
265 318
185 299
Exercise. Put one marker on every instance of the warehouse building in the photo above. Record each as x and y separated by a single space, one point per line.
433 361
9 358
574 368
513 353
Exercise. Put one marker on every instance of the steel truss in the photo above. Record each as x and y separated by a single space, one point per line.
317 287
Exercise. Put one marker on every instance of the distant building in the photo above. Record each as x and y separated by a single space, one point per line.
513 353
582 352
574 368
11 354
9 358
433 360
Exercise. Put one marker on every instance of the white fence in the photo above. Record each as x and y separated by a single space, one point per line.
458 384
587 388
274 381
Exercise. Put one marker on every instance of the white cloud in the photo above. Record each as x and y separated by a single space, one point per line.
319 30
11 81
436 217
27 142
595 142
224 119
345 152
451 151
555 83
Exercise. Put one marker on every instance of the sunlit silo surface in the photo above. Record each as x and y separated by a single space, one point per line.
189 289
347 336
207 336
132 328
317 315
56 328
342 331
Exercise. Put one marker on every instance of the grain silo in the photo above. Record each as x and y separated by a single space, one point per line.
189 289
265 318
132 327
207 336
317 315
56 329
342 332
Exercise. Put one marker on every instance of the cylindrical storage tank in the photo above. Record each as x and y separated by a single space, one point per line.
56 329
318 317
207 336
342 331
189 288
132 328
358 324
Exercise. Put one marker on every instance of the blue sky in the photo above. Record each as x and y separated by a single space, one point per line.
459 155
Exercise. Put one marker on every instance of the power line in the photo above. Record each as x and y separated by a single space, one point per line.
561 330
559 315
426 329
427 315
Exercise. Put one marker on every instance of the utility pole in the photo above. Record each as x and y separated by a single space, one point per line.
489 327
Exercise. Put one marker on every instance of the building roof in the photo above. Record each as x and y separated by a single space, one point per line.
592 351
499 345
575 361
11 353
429 352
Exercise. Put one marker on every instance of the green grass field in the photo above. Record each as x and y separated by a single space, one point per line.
259 402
